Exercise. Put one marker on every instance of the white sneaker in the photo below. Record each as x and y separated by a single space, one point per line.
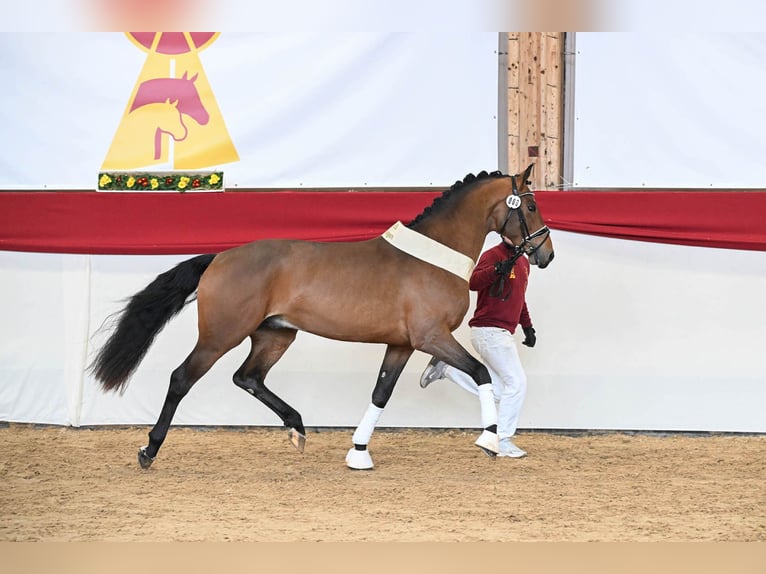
508 449
434 371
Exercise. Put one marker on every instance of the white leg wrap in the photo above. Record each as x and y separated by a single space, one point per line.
364 431
488 409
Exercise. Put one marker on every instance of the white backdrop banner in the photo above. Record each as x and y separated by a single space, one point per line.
669 109
271 110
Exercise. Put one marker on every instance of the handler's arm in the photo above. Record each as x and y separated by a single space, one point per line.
484 273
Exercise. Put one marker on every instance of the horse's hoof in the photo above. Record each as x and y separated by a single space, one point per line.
359 459
298 439
489 453
144 459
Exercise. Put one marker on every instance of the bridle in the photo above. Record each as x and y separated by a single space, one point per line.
514 205
513 202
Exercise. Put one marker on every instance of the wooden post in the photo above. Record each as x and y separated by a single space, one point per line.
535 105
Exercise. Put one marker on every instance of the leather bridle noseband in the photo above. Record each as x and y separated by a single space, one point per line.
514 205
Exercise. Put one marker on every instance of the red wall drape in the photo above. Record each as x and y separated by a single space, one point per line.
170 223
723 219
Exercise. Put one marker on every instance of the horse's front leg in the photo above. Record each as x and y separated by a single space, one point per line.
449 350
394 361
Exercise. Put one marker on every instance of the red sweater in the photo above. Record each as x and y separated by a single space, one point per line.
493 311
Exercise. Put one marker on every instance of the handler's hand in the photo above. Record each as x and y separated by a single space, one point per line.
529 337
504 267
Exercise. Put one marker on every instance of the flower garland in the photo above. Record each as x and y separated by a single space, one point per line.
160 181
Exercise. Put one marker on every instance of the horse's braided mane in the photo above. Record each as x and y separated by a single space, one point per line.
458 188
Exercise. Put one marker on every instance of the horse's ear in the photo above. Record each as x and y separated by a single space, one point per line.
185 74
194 77
528 171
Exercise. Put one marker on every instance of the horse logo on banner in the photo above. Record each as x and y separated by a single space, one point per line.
172 116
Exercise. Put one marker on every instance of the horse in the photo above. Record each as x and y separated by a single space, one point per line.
145 124
183 90
407 289
158 108
174 126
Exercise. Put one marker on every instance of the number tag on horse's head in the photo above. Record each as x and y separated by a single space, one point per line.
513 201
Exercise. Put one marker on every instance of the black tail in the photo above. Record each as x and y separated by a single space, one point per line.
146 313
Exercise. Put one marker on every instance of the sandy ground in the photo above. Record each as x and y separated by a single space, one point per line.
64 484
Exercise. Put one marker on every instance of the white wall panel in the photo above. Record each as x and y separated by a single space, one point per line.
660 109
631 335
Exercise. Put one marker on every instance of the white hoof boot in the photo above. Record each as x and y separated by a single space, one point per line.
359 459
488 443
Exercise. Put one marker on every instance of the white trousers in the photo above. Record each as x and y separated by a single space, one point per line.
498 352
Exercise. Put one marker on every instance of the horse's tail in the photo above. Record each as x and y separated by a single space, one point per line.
139 322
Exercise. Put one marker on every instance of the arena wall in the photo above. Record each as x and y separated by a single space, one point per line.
631 335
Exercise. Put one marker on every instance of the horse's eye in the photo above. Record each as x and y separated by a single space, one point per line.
532 207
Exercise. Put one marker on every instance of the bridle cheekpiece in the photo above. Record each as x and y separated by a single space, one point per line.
513 202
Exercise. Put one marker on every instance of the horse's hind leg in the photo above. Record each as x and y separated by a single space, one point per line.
268 345
394 361
182 379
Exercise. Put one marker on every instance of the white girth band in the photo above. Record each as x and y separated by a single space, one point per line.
428 250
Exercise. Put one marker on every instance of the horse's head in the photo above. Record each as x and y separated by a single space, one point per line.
189 99
169 120
181 90
520 220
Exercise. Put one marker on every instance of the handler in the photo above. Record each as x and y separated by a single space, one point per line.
500 307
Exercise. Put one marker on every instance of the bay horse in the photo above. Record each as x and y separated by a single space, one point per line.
407 288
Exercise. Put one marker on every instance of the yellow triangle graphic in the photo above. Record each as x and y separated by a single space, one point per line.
172 116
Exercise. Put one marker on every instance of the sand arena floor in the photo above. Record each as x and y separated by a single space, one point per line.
64 484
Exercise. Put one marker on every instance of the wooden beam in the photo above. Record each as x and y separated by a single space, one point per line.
514 129
535 100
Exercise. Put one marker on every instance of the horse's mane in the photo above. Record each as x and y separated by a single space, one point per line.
458 189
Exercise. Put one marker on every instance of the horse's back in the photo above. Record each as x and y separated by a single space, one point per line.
297 259
292 269
357 291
